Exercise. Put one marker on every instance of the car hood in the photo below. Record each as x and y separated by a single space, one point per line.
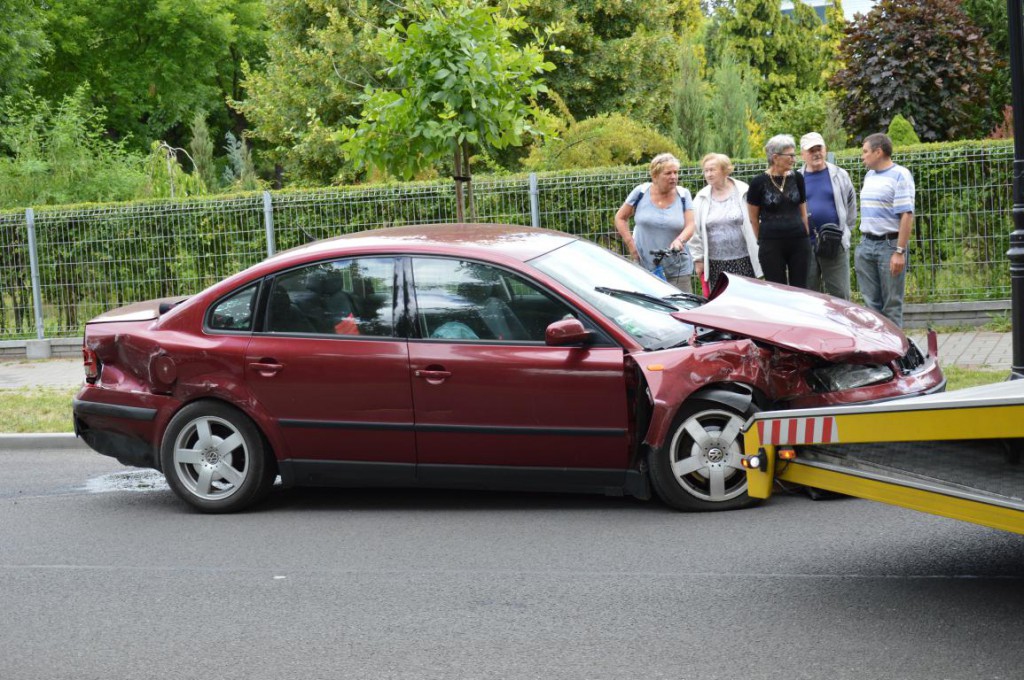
139 311
799 320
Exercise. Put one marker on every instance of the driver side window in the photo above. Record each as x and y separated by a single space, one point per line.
463 300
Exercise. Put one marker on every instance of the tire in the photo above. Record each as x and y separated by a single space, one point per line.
215 459
699 466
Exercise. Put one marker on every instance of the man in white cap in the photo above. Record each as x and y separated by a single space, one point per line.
832 211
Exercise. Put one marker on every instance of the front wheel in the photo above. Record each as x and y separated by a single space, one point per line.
214 458
699 467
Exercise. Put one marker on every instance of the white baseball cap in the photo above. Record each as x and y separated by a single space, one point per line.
811 140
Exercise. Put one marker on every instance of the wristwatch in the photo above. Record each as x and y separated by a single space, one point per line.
900 250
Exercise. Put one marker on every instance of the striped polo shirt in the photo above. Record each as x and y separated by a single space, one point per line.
886 195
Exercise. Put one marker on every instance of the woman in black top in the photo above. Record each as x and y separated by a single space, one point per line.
777 203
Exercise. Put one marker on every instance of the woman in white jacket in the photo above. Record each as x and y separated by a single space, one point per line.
723 241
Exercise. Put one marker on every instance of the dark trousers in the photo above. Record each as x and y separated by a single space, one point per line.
785 260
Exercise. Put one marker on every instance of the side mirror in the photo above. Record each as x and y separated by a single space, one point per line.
566 332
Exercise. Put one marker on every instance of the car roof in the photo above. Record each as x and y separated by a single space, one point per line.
492 241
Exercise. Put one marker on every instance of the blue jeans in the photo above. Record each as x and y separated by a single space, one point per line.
882 291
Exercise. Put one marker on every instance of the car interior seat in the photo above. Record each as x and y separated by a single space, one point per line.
329 302
285 316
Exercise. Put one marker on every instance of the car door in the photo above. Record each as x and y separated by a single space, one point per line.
489 394
331 370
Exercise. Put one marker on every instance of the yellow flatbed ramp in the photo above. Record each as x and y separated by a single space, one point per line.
956 454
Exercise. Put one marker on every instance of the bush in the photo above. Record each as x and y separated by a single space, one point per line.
603 141
901 132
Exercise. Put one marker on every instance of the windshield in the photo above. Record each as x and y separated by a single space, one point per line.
634 299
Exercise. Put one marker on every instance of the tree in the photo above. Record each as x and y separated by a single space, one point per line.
61 154
151 65
990 16
923 58
809 110
456 81
619 55
201 152
23 44
901 132
689 103
603 141
786 54
733 108
309 87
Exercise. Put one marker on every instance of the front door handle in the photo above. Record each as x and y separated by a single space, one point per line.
434 377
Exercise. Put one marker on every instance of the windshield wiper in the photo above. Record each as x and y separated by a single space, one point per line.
637 295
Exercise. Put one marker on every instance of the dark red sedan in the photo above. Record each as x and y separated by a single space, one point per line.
471 356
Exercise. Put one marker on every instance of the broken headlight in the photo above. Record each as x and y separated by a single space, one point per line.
848 376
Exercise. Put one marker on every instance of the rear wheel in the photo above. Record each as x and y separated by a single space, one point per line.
699 467
214 458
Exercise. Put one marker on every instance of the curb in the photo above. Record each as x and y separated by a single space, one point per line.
35 441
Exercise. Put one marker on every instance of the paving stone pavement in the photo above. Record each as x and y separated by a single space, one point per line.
976 349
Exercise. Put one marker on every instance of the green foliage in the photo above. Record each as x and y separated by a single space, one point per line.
62 154
23 44
787 54
990 16
603 141
923 58
240 173
690 103
152 64
455 81
733 106
201 150
901 132
806 111
619 56
310 84
165 178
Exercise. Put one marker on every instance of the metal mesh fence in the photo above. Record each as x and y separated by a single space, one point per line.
95 258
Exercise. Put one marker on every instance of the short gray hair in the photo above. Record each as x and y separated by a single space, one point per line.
777 145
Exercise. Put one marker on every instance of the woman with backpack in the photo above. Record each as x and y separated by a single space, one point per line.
662 213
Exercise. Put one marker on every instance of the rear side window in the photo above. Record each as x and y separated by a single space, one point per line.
235 312
344 297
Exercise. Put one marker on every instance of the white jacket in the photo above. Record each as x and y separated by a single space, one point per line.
701 208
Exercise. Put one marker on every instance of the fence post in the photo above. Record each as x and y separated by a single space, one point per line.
268 221
33 258
534 201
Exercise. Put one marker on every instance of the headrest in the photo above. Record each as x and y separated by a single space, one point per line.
323 282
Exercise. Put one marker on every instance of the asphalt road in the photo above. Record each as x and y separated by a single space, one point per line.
399 584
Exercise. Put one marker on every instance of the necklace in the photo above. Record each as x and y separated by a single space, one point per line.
780 187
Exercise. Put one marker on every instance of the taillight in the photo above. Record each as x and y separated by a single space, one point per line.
91 363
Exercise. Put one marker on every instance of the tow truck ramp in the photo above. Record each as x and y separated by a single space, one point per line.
956 454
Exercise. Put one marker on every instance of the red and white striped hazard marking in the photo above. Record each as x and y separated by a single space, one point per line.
821 430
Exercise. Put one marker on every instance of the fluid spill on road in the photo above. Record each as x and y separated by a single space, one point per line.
131 480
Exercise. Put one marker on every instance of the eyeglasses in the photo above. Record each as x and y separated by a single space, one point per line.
791 155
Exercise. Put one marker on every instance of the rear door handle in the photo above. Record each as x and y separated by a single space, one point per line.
266 368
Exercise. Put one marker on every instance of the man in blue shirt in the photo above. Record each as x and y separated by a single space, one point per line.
831 199
887 219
